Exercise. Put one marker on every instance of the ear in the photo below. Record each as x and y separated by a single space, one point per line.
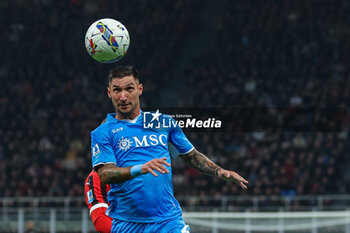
109 92
140 89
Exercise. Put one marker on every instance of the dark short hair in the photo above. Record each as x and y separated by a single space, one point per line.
121 72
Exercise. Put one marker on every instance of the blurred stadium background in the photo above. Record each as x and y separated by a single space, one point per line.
189 53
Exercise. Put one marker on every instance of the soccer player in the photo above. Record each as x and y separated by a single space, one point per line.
95 195
135 161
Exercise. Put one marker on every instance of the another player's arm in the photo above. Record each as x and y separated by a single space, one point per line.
101 221
201 163
111 174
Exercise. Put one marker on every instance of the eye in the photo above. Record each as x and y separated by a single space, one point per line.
116 89
130 89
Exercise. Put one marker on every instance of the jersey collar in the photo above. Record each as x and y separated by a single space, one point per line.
111 118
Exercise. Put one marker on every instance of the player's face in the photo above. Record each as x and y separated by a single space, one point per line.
125 93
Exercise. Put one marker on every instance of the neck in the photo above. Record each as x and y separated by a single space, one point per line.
128 116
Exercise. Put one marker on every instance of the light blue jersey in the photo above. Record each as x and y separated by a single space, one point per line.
145 198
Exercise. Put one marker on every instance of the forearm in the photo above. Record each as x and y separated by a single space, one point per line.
111 174
201 163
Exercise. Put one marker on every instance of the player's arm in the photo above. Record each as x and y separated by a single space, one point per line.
96 199
201 163
111 174
101 221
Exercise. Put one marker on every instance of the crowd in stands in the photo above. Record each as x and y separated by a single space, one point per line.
277 54
53 94
267 53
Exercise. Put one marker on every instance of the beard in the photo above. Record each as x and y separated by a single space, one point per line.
126 114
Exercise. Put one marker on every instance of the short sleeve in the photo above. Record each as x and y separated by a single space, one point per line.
101 148
172 150
179 140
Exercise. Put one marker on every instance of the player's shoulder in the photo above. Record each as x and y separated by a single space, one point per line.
101 130
93 180
104 127
91 173
87 179
95 175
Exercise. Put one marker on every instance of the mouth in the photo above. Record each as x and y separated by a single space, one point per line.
123 106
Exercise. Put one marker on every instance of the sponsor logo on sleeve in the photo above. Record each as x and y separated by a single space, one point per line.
89 196
95 150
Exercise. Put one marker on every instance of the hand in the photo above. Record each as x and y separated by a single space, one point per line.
155 165
232 176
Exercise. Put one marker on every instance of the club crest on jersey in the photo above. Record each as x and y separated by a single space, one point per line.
124 144
95 150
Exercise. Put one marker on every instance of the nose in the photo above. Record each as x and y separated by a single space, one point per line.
123 96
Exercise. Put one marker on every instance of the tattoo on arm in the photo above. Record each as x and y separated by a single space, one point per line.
200 162
111 174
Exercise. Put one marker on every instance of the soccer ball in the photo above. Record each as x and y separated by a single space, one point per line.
107 40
